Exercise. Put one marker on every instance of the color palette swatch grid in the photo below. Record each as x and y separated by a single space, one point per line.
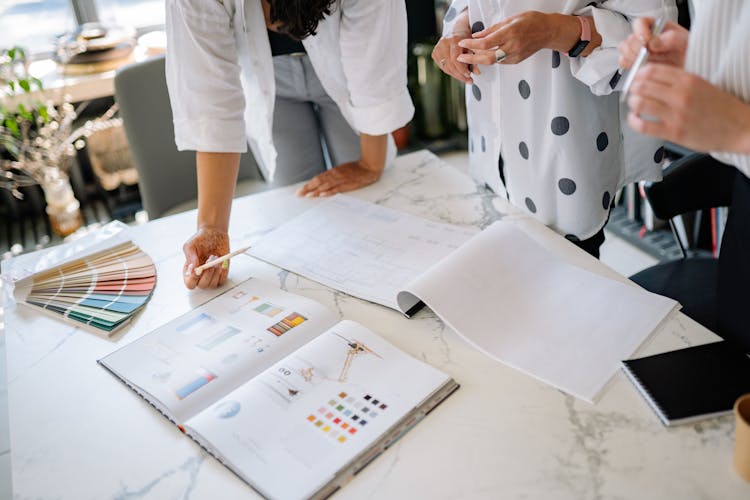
286 324
344 415
103 290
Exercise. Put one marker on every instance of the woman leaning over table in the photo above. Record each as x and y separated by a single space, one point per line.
695 91
341 74
541 101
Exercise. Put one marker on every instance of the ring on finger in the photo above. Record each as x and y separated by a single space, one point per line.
500 55
442 62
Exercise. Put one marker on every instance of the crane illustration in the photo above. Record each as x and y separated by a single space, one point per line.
356 348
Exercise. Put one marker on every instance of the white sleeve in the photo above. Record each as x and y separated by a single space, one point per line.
373 53
203 77
449 19
612 19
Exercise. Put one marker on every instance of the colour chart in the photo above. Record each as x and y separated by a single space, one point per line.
103 290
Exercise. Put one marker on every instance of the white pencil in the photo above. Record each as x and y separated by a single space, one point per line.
198 270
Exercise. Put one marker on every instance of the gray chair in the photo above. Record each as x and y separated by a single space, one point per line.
166 177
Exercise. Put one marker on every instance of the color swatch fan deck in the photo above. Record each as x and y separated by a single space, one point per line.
103 290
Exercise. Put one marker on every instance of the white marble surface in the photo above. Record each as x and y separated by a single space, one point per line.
77 433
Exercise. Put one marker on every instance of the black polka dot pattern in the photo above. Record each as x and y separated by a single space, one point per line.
572 237
659 155
560 125
567 186
602 141
530 205
484 145
477 93
450 15
606 199
555 59
524 150
477 27
524 89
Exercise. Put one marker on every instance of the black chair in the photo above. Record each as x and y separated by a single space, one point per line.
695 182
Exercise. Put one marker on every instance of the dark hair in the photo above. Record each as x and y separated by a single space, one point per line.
299 18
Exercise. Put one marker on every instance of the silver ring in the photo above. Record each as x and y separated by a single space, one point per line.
442 63
500 55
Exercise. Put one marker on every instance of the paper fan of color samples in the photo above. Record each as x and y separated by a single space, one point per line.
103 290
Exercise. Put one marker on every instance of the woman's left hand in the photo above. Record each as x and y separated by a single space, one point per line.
519 37
344 177
681 107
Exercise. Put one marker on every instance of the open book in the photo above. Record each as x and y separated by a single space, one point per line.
498 288
289 398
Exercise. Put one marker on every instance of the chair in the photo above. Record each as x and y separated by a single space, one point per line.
167 178
695 182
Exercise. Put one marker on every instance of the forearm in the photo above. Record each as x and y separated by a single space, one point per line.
374 149
565 31
217 176
741 142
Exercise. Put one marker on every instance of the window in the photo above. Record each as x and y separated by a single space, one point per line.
34 24
136 13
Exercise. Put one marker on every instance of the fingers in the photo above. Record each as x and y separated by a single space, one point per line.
460 71
642 27
629 51
485 57
191 262
209 277
339 179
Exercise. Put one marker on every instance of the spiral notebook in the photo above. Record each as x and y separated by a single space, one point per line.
691 384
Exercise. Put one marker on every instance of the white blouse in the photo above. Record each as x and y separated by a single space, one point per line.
719 51
556 121
221 81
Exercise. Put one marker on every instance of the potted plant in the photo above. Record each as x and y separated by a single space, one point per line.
36 142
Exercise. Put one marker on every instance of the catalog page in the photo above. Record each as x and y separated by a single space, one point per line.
289 431
194 360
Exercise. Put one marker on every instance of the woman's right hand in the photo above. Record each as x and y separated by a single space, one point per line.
205 245
668 48
446 51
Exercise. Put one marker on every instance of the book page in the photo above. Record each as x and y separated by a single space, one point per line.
289 430
360 248
197 358
525 307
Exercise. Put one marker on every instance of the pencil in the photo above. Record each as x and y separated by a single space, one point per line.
198 270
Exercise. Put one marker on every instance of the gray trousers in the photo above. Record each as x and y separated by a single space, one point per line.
309 132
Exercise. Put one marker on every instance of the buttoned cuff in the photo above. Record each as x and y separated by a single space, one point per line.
210 135
385 117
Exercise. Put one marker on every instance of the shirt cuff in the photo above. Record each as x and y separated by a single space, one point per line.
599 68
385 117
211 136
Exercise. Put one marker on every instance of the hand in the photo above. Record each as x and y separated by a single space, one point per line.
446 51
686 109
519 37
205 245
344 177
668 48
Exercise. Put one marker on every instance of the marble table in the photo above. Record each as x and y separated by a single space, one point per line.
77 433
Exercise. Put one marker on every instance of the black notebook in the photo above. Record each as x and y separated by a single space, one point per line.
692 384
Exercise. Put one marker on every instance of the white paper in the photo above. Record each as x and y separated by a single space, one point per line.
525 307
363 249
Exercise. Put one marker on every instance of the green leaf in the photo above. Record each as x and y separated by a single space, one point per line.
12 86
12 54
24 84
43 112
